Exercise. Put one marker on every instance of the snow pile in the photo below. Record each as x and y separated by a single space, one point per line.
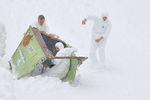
2 40
5 83
40 88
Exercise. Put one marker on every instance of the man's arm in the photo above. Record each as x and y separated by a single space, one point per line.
99 39
93 18
46 32
49 34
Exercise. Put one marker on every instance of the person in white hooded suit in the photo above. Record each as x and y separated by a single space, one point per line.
100 33
61 66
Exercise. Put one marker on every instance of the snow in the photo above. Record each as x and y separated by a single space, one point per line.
126 75
2 40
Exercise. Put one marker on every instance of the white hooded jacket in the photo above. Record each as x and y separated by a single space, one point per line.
61 67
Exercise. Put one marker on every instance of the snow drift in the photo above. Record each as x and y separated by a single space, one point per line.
2 40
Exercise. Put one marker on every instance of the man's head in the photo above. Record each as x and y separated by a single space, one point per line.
105 16
41 19
59 46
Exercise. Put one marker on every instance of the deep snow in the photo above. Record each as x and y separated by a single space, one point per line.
126 76
2 40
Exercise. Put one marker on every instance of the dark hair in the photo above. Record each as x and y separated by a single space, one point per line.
41 17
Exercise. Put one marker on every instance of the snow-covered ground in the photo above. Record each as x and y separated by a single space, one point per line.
126 76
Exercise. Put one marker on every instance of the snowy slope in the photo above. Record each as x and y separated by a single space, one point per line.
126 76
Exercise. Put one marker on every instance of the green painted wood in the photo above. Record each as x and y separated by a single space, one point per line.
27 57
72 70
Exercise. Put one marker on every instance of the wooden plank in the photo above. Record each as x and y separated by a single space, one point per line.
84 58
38 35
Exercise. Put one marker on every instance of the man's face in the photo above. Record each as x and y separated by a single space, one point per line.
57 49
41 21
104 18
